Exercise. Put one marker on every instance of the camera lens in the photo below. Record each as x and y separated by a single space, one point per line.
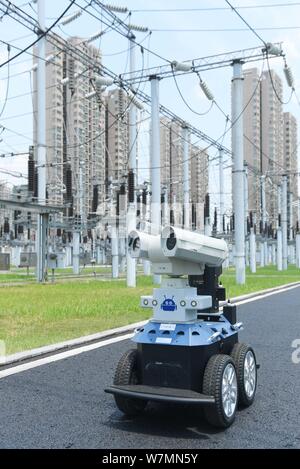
171 242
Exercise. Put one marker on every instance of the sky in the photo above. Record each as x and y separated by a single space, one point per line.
16 117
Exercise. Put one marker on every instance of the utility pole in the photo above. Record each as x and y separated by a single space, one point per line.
264 243
279 231
247 240
42 219
186 178
291 215
284 223
238 171
131 212
221 184
114 237
155 162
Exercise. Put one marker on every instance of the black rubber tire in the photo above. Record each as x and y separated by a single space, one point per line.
238 355
212 386
127 373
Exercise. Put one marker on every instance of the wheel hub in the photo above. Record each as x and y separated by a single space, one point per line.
249 374
229 390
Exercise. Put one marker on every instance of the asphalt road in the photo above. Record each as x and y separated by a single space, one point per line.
63 405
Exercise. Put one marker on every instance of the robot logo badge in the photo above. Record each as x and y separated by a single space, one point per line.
168 304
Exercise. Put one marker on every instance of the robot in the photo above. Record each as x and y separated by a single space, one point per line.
189 352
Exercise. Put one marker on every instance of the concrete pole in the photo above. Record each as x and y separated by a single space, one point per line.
114 238
186 178
291 216
279 249
76 251
262 254
238 171
252 242
273 253
298 250
284 223
131 212
41 145
264 219
246 195
221 188
155 162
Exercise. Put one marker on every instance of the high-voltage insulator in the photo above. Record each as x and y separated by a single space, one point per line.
172 218
68 183
297 227
58 232
20 229
182 66
6 228
251 219
194 216
248 225
70 236
266 228
289 76
272 49
94 37
261 227
215 219
85 239
137 27
95 199
232 223
133 100
131 186
103 81
71 18
36 183
223 223
31 165
279 219
122 189
206 91
90 234
206 207
144 197
115 8
162 198
118 204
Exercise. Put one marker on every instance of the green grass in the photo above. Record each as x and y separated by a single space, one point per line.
34 315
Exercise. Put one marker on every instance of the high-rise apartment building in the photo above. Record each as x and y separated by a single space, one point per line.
252 141
290 146
199 182
75 122
270 146
171 154
117 134
172 158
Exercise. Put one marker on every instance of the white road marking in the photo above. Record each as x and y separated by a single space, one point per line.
60 356
260 297
86 348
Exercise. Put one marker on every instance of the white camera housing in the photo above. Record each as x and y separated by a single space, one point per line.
146 246
193 247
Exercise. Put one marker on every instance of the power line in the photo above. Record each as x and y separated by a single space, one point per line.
246 23
8 82
41 35
239 7
223 30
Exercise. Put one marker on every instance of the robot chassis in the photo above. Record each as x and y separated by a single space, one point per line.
189 352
